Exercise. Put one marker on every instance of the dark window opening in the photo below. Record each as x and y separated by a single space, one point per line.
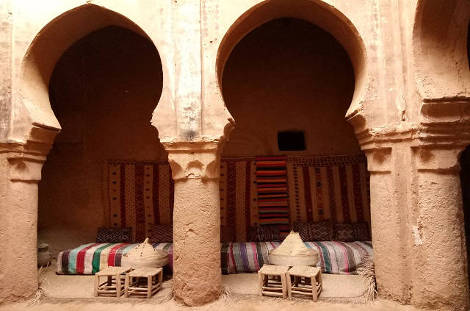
291 141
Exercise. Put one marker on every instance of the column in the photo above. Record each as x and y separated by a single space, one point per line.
196 221
439 250
19 177
390 181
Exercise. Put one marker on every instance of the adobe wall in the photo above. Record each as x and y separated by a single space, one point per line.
410 113
103 92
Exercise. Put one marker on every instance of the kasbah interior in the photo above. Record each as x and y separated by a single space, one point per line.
197 92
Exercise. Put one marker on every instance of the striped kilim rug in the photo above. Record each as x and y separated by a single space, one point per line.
238 202
263 190
140 194
272 192
332 188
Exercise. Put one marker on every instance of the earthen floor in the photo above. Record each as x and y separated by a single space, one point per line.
74 293
233 303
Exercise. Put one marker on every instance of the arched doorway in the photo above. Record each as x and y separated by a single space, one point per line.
289 74
34 124
288 84
103 91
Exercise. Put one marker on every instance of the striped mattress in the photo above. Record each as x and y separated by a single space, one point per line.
93 257
237 257
335 257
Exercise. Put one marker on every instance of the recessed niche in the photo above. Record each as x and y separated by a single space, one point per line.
291 140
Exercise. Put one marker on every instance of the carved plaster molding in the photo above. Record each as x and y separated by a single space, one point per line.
25 169
379 160
445 120
25 160
441 122
194 160
438 154
23 165
386 136
435 147
39 141
445 110
437 159
437 135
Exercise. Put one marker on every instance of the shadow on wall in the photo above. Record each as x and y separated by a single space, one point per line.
103 91
289 74
465 183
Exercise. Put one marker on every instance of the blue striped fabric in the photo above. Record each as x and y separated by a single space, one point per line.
237 257
335 257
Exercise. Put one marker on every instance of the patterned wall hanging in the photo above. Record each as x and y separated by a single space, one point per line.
140 194
238 205
332 188
272 189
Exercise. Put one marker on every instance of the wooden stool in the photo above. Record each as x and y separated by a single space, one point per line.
272 281
143 282
114 285
304 281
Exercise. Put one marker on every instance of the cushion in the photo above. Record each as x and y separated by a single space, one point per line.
266 233
162 233
344 232
361 231
295 226
227 234
114 235
320 231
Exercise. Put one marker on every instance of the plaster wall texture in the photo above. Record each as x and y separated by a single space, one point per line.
389 194
441 55
410 113
440 232
18 221
5 67
196 241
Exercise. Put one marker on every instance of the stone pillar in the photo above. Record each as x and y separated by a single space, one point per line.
439 251
192 123
389 186
196 221
20 173
417 223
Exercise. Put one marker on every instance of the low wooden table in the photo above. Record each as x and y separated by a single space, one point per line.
114 285
304 281
143 282
272 281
